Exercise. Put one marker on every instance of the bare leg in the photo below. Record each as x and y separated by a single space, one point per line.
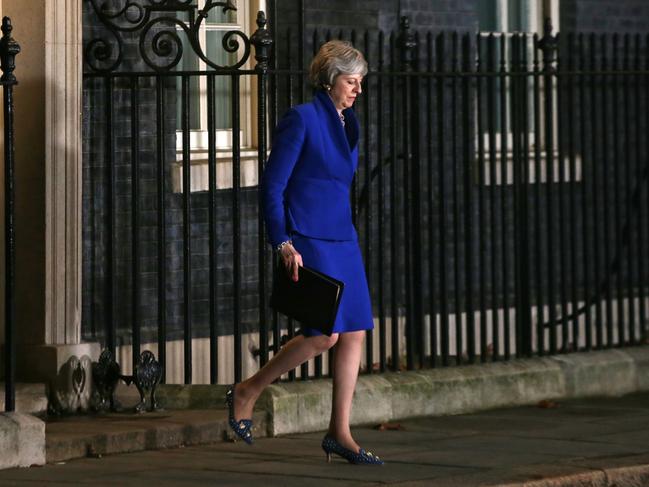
297 351
347 359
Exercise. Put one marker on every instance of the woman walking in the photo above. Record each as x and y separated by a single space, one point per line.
305 190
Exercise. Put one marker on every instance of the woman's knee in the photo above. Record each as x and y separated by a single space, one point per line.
356 337
324 342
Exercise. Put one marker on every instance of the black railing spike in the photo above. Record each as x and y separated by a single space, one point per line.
547 27
548 44
9 48
262 39
406 43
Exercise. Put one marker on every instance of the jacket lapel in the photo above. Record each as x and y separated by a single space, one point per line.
351 128
346 138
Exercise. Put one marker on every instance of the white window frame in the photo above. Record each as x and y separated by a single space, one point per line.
536 18
247 134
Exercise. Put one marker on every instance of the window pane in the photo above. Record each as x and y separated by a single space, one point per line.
188 62
507 15
216 53
488 15
520 15
183 15
216 16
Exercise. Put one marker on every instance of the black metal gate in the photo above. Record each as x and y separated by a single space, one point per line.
501 196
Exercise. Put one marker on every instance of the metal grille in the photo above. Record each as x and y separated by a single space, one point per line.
501 196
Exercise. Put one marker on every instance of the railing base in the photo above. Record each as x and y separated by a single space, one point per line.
65 369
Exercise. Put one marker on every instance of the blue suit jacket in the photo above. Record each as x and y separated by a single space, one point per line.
306 181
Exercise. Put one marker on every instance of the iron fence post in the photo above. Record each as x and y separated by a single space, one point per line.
263 42
548 47
408 44
521 229
9 48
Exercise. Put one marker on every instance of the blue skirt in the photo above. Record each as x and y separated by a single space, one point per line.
342 260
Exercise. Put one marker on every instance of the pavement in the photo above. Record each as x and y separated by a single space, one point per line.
583 442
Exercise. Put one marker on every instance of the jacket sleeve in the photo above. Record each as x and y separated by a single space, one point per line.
288 140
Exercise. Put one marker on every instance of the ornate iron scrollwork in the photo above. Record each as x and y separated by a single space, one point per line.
143 20
106 373
146 377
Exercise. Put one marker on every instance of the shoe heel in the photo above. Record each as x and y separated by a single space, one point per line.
330 445
241 428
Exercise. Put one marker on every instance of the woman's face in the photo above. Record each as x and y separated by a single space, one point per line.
345 90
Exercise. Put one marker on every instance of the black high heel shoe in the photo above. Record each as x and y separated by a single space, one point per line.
243 427
330 445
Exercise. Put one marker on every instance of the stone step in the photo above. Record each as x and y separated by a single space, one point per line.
31 398
103 434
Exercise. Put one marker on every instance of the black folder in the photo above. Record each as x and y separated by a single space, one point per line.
313 300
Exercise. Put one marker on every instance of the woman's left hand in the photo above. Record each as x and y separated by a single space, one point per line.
292 260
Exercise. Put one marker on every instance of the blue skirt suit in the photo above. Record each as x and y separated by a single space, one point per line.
305 193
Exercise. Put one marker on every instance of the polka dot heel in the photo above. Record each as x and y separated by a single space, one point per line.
241 428
330 445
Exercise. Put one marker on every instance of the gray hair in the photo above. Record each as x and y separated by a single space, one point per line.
335 58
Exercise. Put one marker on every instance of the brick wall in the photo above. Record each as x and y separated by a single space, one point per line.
343 16
623 16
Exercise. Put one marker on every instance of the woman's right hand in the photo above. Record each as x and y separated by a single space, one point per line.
292 260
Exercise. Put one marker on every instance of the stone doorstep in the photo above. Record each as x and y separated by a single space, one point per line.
96 435
31 398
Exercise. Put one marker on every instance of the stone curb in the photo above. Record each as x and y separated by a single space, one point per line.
304 406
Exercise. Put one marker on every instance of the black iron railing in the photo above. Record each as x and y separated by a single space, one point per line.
501 196
8 51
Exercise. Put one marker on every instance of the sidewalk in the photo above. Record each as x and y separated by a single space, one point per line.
585 442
